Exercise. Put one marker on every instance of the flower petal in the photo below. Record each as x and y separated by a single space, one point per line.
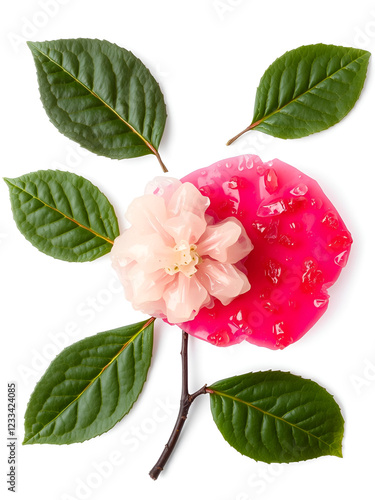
187 226
221 280
187 198
226 241
148 214
184 297
163 187
146 287
150 249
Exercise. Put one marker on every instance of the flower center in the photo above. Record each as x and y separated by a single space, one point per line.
184 259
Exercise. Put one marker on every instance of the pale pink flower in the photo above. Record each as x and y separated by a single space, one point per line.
174 259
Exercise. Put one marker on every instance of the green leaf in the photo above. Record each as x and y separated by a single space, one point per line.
63 215
90 386
278 417
101 96
307 90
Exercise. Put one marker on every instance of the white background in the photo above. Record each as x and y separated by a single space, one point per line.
208 57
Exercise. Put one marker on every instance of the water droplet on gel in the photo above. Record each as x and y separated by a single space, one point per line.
312 277
272 231
286 240
295 204
299 190
219 338
237 320
273 271
268 231
316 203
296 226
275 208
321 302
278 328
261 169
330 219
233 183
249 161
228 165
282 338
269 306
271 180
236 182
342 240
203 172
342 258
259 226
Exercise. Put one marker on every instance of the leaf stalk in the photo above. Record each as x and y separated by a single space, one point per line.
164 168
250 127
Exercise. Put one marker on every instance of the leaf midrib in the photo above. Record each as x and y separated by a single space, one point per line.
148 144
146 325
261 120
60 212
234 398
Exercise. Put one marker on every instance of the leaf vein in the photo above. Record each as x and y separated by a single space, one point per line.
148 144
64 215
91 381
259 121
264 412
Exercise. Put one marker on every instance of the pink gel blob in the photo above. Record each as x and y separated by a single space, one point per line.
300 247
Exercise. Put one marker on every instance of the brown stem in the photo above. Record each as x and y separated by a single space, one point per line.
165 170
253 125
185 403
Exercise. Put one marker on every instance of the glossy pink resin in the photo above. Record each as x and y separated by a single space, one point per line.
300 247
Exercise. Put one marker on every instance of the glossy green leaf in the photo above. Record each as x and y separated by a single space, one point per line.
101 96
307 90
90 386
278 417
63 215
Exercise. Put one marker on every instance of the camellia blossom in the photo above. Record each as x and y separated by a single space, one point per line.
175 258
195 247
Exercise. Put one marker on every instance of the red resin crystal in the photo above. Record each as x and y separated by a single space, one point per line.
300 247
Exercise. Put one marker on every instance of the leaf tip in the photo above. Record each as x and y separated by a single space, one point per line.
337 452
7 181
338 449
31 45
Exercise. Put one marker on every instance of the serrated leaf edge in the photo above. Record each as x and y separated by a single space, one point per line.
222 394
148 144
144 327
10 184
253 125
